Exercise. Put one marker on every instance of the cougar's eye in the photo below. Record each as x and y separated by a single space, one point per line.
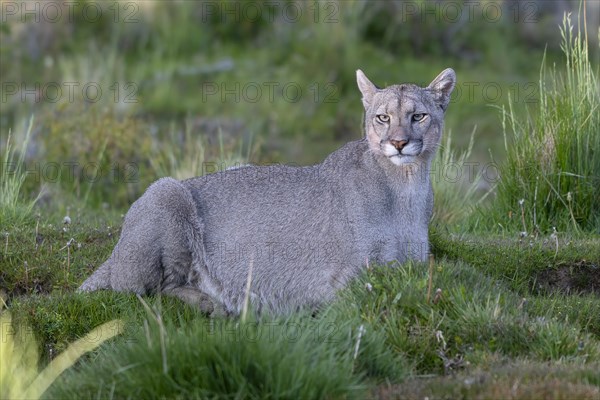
383 118
418 117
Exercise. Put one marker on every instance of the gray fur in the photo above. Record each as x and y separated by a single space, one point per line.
303 232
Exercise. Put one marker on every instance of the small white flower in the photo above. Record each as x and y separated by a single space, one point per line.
369 287
521 202
67 220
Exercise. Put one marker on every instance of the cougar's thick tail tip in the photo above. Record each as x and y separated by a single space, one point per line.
99 280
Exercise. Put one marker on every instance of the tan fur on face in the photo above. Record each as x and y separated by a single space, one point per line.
399 103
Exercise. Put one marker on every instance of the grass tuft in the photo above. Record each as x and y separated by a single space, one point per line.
221 358
553 163
12 174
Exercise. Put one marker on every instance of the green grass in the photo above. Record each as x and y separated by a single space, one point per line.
478 323
171 53
13 205
525 264
508 380
503 254
36 258
187 154
225 359
455 184
552 173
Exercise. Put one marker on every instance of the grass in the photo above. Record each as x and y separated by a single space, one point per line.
380 338
283 359
172 54
13 176
527 266
190 154
380 335
36 258
509 380
456 183
476 325
553 168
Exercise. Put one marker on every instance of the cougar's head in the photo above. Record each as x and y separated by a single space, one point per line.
404 122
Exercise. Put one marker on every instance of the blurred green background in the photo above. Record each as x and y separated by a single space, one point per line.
126 92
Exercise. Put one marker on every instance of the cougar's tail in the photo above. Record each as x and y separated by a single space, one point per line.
100 279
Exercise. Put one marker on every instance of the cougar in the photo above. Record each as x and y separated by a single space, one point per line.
280 237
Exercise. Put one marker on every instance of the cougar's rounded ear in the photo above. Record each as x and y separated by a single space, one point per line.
442 87
366 88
